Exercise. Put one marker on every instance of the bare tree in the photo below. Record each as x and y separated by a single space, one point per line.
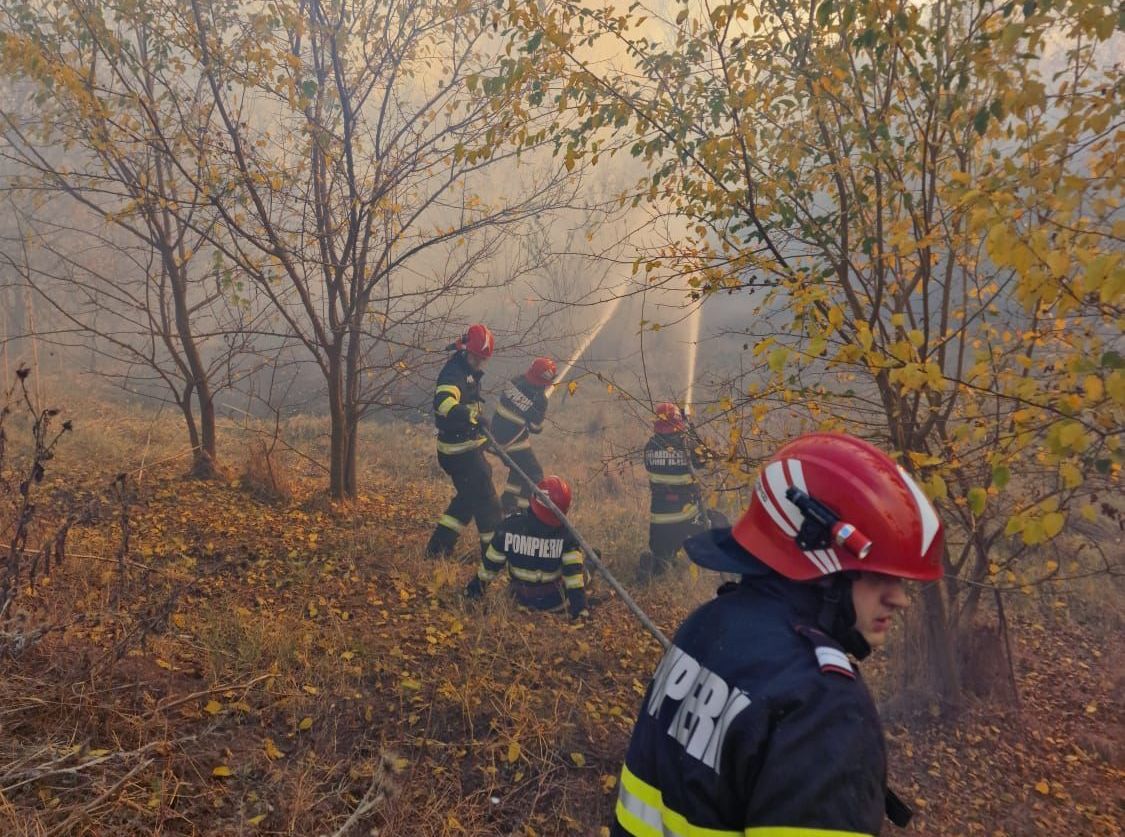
87 129
356 177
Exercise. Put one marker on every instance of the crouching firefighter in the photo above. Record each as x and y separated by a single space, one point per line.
519 415
676 509
544 561
460 444
757 722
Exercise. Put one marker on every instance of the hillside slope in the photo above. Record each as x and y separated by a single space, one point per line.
292 668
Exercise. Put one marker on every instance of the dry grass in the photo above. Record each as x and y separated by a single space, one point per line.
313 664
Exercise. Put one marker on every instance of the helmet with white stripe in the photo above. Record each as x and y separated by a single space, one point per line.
828 503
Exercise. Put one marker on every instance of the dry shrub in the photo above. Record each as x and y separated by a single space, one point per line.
265 475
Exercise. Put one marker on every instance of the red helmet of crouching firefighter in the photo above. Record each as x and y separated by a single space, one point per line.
542 372
668 418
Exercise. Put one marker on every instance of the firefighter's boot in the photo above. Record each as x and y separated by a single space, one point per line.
444 539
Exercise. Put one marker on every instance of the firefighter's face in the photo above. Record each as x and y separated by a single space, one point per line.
476 361
877 598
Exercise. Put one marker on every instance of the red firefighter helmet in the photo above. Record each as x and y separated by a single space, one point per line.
477 341
668 419
828 503
559 491
541 373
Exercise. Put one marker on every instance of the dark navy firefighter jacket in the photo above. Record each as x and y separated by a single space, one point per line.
756 723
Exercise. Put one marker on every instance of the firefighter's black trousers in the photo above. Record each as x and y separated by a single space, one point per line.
474 499
516 492
665 539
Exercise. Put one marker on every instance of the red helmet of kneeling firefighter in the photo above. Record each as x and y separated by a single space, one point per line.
558 490
668 418
544 560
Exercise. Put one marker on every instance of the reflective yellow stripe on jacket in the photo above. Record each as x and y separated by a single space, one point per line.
688 513
671 479
452 399
461 447
514 418
641 810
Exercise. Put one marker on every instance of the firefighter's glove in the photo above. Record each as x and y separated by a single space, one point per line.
474 589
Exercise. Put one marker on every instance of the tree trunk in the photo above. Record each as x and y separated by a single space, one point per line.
206 457
942 670
350 480
338 415
192 427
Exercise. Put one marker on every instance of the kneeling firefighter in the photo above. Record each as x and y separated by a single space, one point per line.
544 561
757 721
461 441
520 414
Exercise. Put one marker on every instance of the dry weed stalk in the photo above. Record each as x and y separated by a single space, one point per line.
24 506
382 788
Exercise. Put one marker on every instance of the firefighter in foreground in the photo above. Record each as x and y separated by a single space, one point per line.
461 441
519 415
544 561
676 508
756 722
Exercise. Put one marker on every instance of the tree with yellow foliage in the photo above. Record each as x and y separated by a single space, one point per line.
923 203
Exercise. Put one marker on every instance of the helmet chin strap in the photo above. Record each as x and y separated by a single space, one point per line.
837 615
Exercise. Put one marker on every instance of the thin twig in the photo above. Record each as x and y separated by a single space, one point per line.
196 695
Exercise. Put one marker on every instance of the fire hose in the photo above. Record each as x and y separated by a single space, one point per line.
591 555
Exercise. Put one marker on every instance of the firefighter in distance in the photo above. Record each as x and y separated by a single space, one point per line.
757 722
676 509
544 561
461 441
520 415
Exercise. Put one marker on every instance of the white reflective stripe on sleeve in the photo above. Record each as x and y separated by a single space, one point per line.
833 657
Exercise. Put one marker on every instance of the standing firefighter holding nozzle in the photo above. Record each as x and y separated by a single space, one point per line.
756 722
544 561
461 441
519 415
676 509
